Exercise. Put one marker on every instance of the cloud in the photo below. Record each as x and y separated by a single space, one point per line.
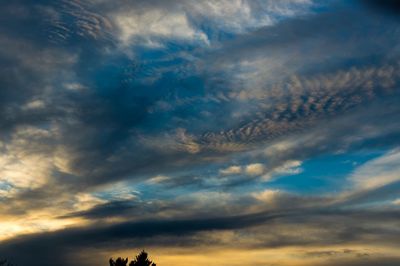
22 167
121 139
288 168
268 196
377 172
147 122
101 209
158 179
155 23
72 19
35 104
254 169
292 105
284 227
231 170
199 22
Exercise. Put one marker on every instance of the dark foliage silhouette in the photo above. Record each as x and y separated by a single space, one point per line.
141 260
119 262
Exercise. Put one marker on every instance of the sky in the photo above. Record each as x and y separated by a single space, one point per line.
208 132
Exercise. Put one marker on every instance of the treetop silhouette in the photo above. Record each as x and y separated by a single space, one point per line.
118 262
141 260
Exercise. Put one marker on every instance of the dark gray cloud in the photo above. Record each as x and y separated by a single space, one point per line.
338 227
38 250
384 261
110 209
338 221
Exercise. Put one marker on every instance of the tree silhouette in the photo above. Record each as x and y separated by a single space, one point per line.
118 262
142 260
